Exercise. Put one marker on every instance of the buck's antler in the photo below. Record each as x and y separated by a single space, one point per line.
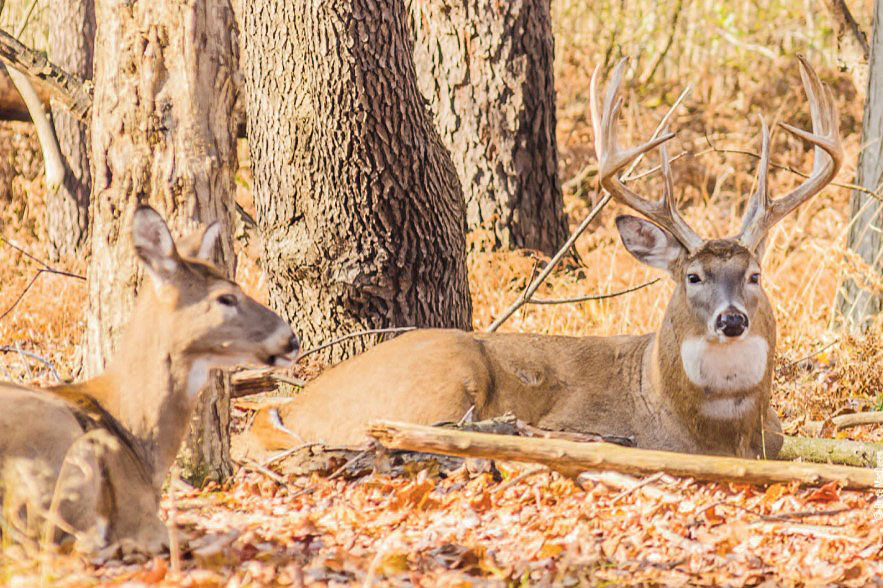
762 211
612 159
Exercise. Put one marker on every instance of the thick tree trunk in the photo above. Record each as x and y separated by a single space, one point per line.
860 303
486 69
161 134
71 36
358 203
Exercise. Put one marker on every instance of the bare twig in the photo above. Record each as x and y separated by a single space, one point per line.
34 356
520 478
283 454
593 297
651 71
352 335
46 269
810 355
532 288
715 149
646 481
349 462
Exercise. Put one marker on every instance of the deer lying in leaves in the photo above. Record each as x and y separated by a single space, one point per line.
87 461
700 384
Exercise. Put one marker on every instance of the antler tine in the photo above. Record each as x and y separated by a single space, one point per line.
612 159
763 212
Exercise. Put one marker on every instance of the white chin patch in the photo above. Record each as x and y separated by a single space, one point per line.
730 366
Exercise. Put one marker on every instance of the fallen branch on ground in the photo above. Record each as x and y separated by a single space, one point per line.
859 418
573 458
839 451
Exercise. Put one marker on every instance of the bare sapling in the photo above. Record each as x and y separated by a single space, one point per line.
699 384
86 462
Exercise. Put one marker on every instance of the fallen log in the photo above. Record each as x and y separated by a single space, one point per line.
858 418
838 451
572 458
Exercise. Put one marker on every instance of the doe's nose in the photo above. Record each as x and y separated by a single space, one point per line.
731 323
293 345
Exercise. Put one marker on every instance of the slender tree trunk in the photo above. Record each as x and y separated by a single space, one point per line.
358 203
161 134
860 303
71 36
486 68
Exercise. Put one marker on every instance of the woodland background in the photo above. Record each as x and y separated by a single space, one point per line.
541 528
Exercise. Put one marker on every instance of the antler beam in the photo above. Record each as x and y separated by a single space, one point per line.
612 159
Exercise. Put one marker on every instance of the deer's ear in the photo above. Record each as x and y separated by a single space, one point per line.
201 243
649 243
153 244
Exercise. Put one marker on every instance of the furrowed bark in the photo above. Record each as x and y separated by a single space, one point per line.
71 38
486 70
168 144
358 203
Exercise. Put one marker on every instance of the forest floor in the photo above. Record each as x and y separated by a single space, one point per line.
527 525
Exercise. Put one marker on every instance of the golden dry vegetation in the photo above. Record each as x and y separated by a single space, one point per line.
738 58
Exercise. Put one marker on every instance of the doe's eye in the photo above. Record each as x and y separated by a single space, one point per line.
693 278
227 300
754 278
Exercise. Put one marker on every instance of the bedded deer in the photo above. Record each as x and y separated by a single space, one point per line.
700 384
89 459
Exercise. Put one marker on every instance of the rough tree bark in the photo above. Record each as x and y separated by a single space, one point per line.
486 69
859 303
358 203
161 134
71 35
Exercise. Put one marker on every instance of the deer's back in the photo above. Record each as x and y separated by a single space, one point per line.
434 375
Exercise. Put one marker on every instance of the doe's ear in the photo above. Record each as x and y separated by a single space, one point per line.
649 243
201 243
153 244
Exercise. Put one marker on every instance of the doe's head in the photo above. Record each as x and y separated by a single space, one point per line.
210 318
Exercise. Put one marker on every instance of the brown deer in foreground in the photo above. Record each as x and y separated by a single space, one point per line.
700 384
89 459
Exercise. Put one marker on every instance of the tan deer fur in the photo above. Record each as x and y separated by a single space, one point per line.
700 384
89 459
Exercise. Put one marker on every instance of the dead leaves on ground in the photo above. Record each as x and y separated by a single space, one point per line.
429 531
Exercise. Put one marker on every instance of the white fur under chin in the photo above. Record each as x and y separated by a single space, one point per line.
731 366
733 407
197 377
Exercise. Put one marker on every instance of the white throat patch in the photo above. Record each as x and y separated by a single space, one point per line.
197 377
725 367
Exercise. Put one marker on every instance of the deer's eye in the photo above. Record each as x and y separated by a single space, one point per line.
693 278
227 300
754 278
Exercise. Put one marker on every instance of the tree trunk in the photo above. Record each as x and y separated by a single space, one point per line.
358 203
487 70
71 36
161 134
860 303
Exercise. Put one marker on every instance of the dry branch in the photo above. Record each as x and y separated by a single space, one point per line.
839 451
859 418
74 93
572 458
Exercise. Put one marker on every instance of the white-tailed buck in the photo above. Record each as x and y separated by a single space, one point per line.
89 459
700 384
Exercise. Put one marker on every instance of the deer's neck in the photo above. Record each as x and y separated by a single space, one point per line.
151 388
718 389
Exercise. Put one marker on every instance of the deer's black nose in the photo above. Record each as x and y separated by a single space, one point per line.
293 345
731 323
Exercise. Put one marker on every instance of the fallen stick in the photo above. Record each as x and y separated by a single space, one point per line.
572 458
838 451
859 418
